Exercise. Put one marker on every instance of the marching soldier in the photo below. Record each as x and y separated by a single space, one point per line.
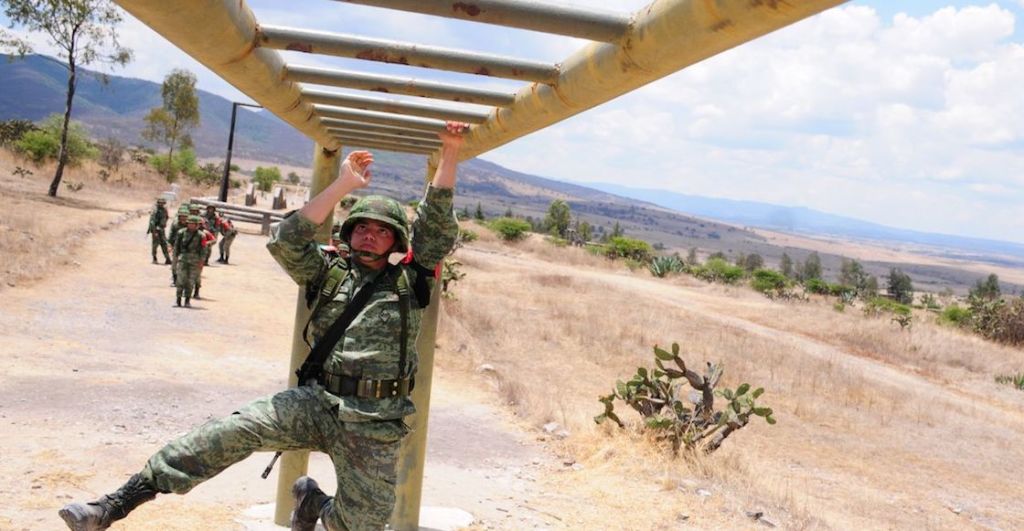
213 227
228 233
188 249
157 222
355 393
175 228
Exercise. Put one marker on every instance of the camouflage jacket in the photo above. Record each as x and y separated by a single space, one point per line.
158 218
212 223
370 347
172 235
188 245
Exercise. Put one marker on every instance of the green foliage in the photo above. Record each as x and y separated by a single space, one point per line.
510 229
659 395
662 266
623 247
751 262
558 218
12 130
987 288
786 266
929 302
450 274
955 315
266 177
44 143
184 164
769 282
812 267
293 179
901 288
586 231
691 257
170 123
208 174
479 212
878 306
999 320
467 236
718 270
1016 380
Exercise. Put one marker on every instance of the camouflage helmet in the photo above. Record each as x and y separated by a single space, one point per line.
161 200
183 210
194 219
382 209
193 206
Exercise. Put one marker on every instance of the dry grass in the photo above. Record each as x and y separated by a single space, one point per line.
39 233
875 424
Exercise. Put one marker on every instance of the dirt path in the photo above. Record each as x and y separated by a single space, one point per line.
101 369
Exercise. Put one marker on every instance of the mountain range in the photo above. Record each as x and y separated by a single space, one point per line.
34 87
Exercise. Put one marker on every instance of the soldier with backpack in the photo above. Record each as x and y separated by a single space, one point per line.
354 387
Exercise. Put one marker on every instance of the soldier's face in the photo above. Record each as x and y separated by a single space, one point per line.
372 236
192 227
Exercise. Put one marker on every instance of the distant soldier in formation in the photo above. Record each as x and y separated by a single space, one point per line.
212 226
228 233
188 249
157 223
175 228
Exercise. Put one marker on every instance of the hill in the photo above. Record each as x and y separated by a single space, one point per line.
34 87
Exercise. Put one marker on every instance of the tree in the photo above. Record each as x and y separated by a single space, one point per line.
617 231
691 256
987 288
586 232
851 273
558 219
266 177
812 266
752 261
508 213
293 178
82 31
479 214
111 154
170 123
786 266
901 288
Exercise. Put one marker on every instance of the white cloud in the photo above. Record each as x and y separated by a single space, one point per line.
901 122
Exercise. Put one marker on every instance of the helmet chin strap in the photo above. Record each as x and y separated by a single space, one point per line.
370 256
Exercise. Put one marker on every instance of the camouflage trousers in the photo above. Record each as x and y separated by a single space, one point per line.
159 240
302 418
187 277
225 245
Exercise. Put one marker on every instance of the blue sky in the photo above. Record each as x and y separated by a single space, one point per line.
906 113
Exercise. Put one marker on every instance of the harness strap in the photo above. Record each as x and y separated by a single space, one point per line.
402 285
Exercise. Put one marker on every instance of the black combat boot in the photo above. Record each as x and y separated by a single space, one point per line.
188 302
177 301
196 294
99 514
154 258
167 261
309 502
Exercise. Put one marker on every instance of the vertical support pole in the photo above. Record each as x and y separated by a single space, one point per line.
223 196
326 165
412 455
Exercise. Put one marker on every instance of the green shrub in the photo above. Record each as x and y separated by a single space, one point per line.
12 130
266 177
662 266
467 236
624 247
718 270
44 143
659 395
510 229
955 315
999 320
816 286
768 281
880 305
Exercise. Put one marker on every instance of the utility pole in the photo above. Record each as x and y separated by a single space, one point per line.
223 196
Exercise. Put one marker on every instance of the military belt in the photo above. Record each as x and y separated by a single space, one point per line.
342 385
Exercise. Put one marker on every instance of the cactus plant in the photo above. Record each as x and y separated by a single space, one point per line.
662 266
660 397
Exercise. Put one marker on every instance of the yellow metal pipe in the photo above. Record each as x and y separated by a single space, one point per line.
412 455
222 35
666 36
326 165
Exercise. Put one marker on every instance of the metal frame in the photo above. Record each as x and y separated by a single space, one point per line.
628 52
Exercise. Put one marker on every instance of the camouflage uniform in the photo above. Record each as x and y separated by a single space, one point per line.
178 224
188 249
212 225
228 233
157 223
361 435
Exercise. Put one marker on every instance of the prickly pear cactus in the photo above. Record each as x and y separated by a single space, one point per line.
660 396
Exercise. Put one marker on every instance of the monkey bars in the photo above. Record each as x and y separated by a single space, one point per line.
626 51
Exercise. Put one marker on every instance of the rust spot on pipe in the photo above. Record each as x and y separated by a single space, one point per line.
482 71
380 89
722 25
771 4
299 47
381 56
469 9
